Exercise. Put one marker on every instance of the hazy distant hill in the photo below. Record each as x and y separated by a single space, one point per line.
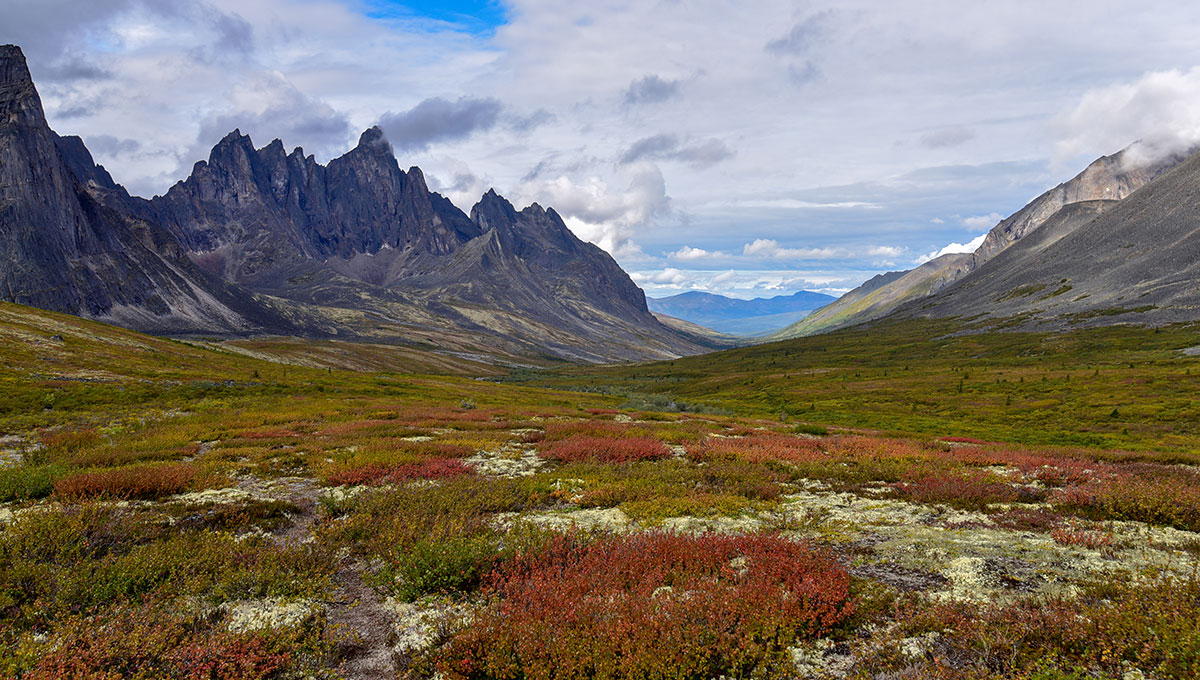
739 317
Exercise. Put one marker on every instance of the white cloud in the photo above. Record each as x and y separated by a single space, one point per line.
968 247
982 222
609 218
841 122
885 251
1160 111
765 247
668 276
690 253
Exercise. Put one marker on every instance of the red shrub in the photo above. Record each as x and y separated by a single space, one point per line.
1165 501
1082 537
651 605
963 440
135 481
759 448
379 473
606 450
956 490
151 643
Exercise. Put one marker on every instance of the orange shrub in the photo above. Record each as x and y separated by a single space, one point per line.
133 482
759 448
606 450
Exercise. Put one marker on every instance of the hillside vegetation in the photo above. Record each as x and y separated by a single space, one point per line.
183 510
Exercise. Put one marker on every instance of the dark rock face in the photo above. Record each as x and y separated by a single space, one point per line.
63 249
358 235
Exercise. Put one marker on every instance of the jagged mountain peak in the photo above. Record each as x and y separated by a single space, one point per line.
263 240
19 101
493 211
373 139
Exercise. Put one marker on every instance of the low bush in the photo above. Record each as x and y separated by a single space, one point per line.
1151 625
152 642
759 448
28 482
606 450
1165 502
962 491
379 473
132 482
650 606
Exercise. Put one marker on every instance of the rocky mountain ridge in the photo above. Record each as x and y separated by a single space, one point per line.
1108 178
266 241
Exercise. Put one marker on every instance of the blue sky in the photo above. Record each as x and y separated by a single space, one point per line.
481 17
707 144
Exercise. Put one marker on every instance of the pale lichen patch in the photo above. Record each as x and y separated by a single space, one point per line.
507 461
253 615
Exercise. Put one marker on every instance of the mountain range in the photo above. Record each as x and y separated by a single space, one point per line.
739 317
265 241
1051 216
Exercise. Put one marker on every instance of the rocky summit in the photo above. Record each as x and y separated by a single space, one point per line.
261 240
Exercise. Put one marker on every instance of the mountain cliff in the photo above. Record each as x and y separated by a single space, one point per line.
1108 178
1096 262
65 249
266 241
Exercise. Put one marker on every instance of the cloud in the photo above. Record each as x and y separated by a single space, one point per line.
947 137
267 107
804 35
1160 112
440 120
764 247
111 146
669 148
968 247
669 276
982 222
794 204
651 89
885 251
690 253
604 216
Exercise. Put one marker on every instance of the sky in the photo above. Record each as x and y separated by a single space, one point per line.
748 149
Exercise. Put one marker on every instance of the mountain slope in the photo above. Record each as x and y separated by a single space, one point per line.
1100 262
1107 178
259 240
741 317
62 249
880 296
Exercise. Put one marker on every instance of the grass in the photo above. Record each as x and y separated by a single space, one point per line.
1020 505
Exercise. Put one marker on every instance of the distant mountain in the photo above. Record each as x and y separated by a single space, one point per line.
1093 263
1107 178
265 241
739 317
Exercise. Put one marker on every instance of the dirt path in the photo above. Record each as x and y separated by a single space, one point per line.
356 614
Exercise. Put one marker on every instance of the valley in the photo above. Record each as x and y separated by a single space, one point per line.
168 506
307 415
